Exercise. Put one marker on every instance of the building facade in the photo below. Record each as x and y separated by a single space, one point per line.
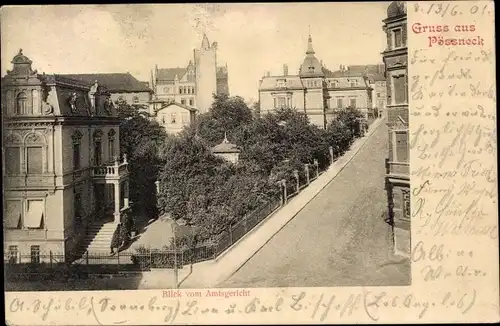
195 84
62 156
316 91
121 86
398 169
174 116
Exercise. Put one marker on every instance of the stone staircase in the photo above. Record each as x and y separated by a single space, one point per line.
98 238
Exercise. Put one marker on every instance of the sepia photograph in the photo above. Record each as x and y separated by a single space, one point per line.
202 146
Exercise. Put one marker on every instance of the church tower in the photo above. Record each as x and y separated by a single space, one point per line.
205 60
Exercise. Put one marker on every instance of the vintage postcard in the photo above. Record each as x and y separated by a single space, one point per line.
250 163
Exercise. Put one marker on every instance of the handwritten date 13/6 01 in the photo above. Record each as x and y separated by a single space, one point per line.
452 9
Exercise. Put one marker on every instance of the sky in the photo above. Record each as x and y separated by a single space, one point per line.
252 38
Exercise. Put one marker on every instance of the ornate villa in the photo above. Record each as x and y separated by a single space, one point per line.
64 173
319 92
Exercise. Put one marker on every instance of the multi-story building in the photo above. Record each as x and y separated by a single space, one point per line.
398 172
376 79
174 117
193 85
316 90
63 170
121 86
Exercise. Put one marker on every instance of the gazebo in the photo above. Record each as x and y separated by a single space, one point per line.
227 150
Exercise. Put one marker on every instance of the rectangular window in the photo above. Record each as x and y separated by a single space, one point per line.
34 160
281 102
401 138
191 102
111 149
35 254
280 83
173 118
353 83
352 102
399 83
340 103
13 255
13 160
13 211
76 156
398 41
183 101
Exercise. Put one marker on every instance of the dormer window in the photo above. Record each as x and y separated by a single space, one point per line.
22 103
281 83
353 82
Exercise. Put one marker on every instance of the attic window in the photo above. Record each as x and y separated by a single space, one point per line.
311 68
281 83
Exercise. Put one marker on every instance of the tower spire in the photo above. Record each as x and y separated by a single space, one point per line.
310 49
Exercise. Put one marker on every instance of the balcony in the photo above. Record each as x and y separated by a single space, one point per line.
111 171
397 170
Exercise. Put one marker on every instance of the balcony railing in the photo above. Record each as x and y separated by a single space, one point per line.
111 170
398 168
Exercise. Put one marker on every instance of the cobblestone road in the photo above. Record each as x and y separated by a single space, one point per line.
339 238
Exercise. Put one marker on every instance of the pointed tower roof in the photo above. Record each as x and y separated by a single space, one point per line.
205 44
311 67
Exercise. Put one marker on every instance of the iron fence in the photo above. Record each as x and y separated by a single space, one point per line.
145 259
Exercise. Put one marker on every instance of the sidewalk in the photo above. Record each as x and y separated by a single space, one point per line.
211 273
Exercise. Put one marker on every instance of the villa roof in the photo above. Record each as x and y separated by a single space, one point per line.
170 73
114 82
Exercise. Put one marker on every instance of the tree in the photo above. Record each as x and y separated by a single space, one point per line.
225 115
351 117
140 139
339 137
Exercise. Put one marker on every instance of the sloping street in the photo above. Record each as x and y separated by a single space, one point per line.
339 239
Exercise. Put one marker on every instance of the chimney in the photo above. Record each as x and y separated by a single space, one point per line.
268 74
285 70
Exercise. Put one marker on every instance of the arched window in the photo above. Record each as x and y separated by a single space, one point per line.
22 103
